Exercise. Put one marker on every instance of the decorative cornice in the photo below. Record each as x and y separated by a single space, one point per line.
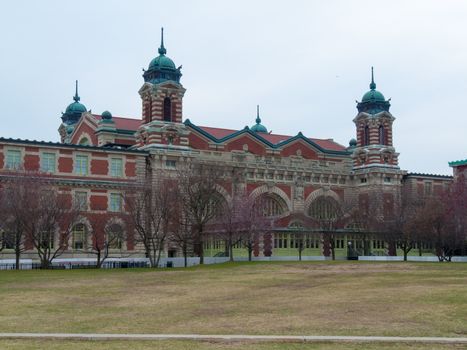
436 176
69 145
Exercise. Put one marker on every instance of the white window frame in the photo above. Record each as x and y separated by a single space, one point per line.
115 195
21 157
43 158
111 168
76 165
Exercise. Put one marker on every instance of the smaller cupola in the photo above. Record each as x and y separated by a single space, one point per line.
258 127
74 110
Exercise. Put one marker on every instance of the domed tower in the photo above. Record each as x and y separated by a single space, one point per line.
71 116
374 130
376 173
162 96
74 110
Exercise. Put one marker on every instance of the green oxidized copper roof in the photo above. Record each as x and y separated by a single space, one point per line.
106 115
162 68
76 107
373 101
74 110
458 162
258 127
373 94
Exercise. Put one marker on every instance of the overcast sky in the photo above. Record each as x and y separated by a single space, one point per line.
304 62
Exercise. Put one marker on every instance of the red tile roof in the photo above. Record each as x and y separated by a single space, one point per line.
274 138
218 133
123 123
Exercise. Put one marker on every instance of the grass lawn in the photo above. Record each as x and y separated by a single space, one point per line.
309 298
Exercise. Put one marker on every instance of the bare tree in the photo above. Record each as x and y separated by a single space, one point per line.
106 238
151 211
17 195
182 234
254 222
229 223
406 226
445 219
51 217
200 199
327 214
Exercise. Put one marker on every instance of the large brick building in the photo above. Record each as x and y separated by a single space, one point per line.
100 155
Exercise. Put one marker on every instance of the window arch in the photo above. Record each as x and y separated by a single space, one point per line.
84 141
381 134
114 236
271 205
324 208
366 136
79 235
167 109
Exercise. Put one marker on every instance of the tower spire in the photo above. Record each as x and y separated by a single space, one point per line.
162 50
76 97
258 119
372 85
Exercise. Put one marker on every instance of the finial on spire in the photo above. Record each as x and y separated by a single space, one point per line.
76 97
162 50
372 85
258 119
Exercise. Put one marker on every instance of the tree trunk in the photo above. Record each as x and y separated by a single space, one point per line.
99 263
201 251
299 255
17 259
250 252
231 252
185 256
17 250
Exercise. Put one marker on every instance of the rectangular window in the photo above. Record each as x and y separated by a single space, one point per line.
115 202
13 159
48 162
79 237
428 188
170 163
81 165
81 200
116 167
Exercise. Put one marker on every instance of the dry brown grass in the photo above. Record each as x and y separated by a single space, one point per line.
397 299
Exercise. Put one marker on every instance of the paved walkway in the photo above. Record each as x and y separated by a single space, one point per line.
270 338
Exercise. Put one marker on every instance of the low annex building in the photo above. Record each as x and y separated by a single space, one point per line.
101 154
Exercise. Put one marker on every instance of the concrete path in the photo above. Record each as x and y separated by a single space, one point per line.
223 338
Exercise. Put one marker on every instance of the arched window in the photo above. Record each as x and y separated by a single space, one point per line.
324 208
114 236
366 136
381 135
84 141
167 109
271 205
79 236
